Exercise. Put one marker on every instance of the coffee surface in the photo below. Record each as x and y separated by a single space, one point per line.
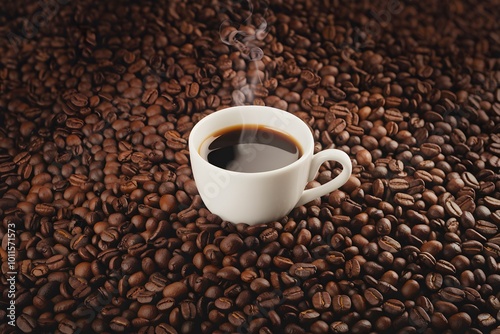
250 149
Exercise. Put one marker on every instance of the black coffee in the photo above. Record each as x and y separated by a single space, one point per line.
250 149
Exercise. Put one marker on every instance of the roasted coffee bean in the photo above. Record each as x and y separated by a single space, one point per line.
341 303
294 293
459 321
321 300
419 317
472 247
229 273
430 150
269 235
452 208
302 270
319 326
175 290
260 285
308 315
188 310
389 244
237 318
165 304
26 323
223 303
119 324
398 184
352 268
164 328
393 307
486 228
231 244
339 327
373 296
268 299
445 267
404 199
361 326
486 320
451 294
67 326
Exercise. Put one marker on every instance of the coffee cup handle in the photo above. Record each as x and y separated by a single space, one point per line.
320 157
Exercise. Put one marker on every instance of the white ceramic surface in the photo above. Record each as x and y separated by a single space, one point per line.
266 196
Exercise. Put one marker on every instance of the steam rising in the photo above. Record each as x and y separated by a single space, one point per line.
242 36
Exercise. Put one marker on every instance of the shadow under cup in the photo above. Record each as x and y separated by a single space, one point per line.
251 197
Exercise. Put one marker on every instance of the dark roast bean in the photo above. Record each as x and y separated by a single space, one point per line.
321 300
341 303
451 294
373 296
339 327
393 307
302 270
231 244
389 244
26 323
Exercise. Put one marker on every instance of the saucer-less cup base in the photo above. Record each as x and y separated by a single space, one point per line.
266 196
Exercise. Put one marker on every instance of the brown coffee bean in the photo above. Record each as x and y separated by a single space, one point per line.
352 268
472 247
419 317
404 199
302 270
452 208
451 294
492 250
164 328
389 244
373 297
341 303
486 228
119 324
398 184
237 318
175 290
282 262
363 157
268 299
165 304
26 323
470 180
460 320
486 320
269 235
188 310
147 312
430 150
393 307
260 285
339 327
229 273
79 100
231 244
294 293
321 300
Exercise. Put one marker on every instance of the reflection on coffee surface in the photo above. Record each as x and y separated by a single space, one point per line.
250 148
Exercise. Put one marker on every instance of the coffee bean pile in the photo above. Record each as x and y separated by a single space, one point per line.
97 100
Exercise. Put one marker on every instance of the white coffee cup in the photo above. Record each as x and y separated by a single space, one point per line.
261 197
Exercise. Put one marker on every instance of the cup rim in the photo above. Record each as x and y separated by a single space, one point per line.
255 174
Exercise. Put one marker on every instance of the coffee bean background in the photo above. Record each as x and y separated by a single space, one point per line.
97 100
